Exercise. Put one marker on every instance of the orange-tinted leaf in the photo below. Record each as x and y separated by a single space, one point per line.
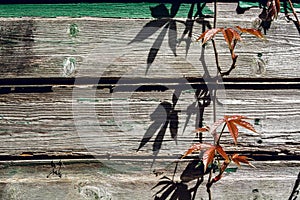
208 34
233 130
208 156
236 158
251 31
245 124
234 117
222 152
273 8
196 147
232 121
230 35
203 129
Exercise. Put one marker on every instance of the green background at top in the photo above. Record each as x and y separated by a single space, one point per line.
111 10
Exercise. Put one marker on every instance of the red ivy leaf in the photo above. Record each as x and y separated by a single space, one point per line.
220 150
236 158
245 124
273 8
231 36
233 121
203 129
208 156
209 34
251 31
197 147
233 130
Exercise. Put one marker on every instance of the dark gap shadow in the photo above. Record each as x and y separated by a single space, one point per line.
39 89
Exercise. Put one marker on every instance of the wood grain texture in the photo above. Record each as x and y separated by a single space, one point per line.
44 47
44 116
270 180
83 120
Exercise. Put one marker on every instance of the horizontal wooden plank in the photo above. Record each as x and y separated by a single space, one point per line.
83 180
77 47
83 120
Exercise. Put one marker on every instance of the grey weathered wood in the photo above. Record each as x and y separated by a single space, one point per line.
80 120
34 47
73 120
270 180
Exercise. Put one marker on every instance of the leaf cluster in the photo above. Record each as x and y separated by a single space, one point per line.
212 151
231 37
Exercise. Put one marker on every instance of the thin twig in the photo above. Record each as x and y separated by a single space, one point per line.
232 67
215 13
218 142
294 12
216 56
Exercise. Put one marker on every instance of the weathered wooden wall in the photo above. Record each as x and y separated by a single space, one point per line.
87 181
100 48
44 115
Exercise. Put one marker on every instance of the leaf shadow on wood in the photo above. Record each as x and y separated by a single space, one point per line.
164 20
203 100
241 10
189 23
164 116
171 29
176 190
203 94
149 29
190 180
169 25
